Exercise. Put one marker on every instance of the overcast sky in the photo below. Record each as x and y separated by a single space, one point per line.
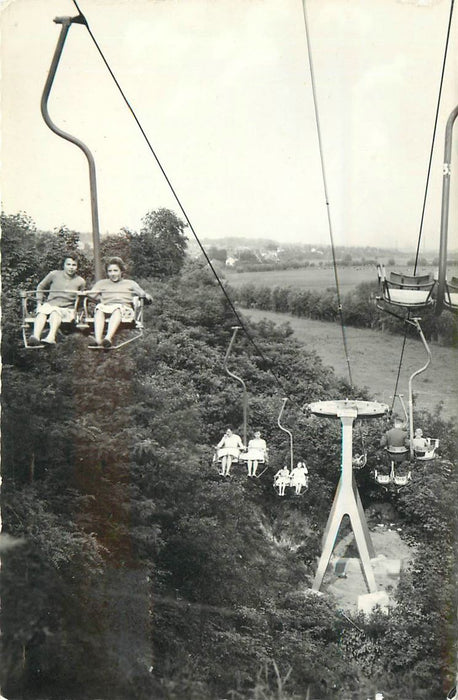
222 88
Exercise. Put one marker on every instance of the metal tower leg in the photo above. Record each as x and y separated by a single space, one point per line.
347 502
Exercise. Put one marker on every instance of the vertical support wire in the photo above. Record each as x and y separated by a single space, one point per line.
291 447
66 22
235 329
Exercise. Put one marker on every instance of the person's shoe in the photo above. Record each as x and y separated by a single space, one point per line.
106 343
92 343
33 341
48 340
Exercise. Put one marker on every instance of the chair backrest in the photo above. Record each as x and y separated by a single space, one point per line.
402 480
411 281
396 450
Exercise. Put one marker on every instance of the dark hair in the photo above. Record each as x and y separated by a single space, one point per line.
116 261
70 254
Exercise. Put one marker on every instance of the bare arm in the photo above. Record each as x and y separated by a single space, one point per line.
141 292
43 286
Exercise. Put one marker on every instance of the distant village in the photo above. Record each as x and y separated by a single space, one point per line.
250 255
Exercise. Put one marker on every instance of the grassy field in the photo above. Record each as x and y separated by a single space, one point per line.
374 359
312 277
307 278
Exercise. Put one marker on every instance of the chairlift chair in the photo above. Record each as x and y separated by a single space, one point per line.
29 316
392 478
405 291
223 452
135 327
291 445
429 453
281 481
303 486
359 461
262 458
384 479
396 454
402 479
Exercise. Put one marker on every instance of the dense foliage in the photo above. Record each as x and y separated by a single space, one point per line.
137 571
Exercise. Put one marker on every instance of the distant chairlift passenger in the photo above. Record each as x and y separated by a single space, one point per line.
282 480
228 451
257 453
299 477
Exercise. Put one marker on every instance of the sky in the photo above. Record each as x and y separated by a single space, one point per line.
222 89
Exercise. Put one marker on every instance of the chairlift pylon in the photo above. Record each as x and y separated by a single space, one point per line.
447 293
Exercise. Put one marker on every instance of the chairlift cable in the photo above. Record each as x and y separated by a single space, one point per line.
420 232
325 188
177 199
433 140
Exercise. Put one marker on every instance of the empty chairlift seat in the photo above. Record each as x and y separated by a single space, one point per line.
411 291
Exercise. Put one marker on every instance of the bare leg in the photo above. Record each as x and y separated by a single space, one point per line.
39 324
255 466
54 321
228 464
249 463
113 324
99 325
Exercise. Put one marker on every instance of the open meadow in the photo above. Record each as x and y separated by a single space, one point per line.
314 278
304 278
374 359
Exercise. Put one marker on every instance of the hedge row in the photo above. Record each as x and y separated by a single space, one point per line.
358 308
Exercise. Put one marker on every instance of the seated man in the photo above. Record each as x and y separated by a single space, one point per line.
282 480
62 287
299 477
257 452
395 441
228 449
116 300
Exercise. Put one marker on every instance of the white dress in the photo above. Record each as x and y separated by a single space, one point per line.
257 449
229 445
299 476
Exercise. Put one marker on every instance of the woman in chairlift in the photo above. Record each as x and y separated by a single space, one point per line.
299 477
61 287
282 480
228 450
257 452
116 296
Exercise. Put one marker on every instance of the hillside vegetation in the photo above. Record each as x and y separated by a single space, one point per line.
138 572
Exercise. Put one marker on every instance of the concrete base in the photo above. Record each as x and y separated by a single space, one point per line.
344 580
367 602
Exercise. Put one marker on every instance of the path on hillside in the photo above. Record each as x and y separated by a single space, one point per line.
374 359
